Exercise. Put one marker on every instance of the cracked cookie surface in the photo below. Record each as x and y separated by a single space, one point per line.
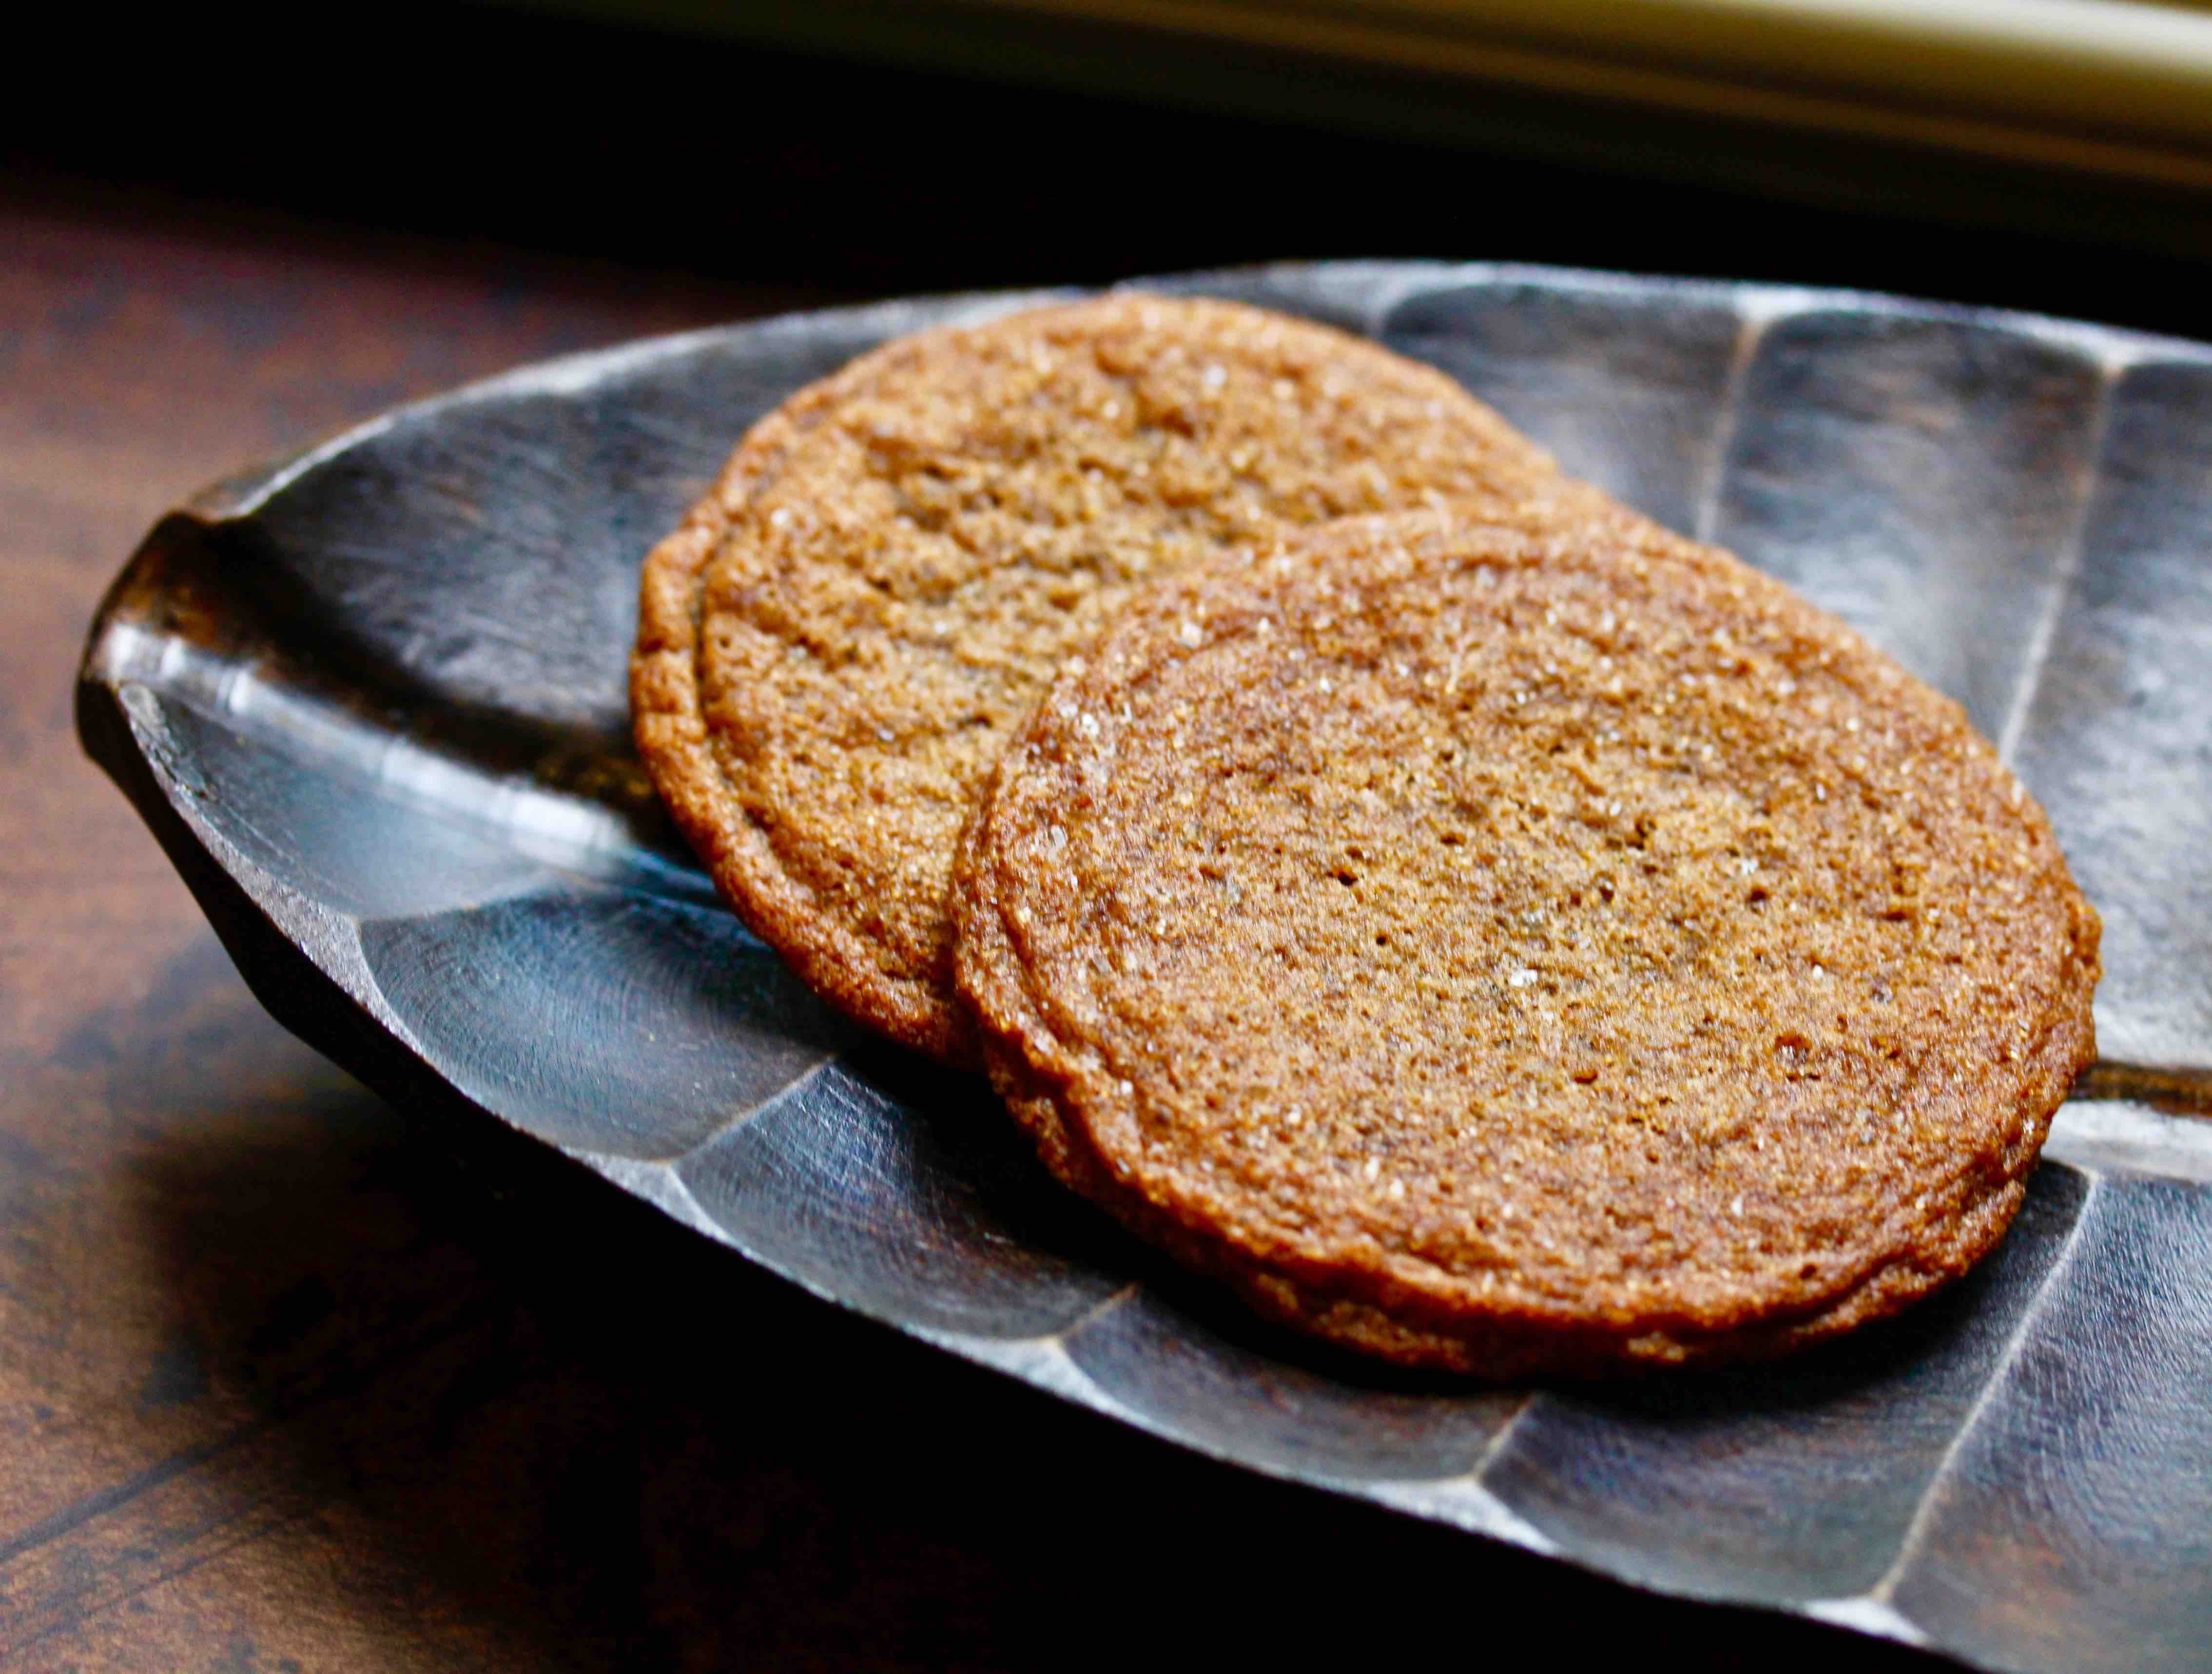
835 645
1524 941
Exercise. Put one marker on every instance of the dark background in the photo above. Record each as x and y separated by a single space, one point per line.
722 158
287 1384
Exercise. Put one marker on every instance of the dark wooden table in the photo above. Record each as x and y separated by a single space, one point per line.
286 1383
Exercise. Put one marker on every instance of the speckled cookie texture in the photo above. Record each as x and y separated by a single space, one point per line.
1524 942
836 644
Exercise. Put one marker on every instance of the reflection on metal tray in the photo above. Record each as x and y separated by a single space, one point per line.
372 701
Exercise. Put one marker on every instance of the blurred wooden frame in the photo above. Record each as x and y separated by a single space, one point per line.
2108 86
2091 118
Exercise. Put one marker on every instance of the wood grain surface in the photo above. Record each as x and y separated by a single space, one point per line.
289 1382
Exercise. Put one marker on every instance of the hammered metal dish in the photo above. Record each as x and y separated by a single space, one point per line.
372 701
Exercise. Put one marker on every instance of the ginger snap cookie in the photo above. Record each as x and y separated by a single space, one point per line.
836 644
1517 944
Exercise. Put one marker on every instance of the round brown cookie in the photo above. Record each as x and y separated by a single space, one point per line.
834 646
1524 942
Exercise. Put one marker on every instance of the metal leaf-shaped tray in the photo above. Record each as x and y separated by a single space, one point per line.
372 701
